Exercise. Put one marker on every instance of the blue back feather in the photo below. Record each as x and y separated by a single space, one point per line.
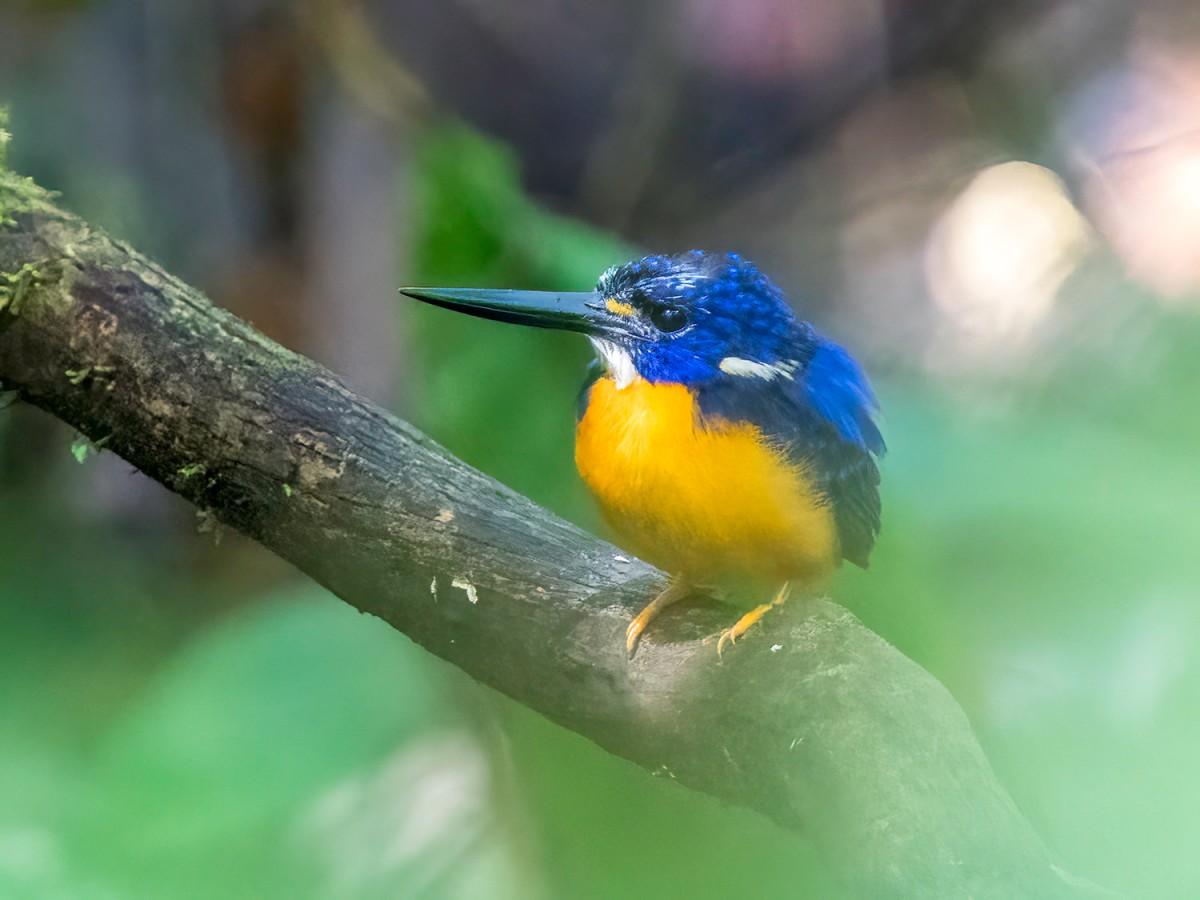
825 424
837 389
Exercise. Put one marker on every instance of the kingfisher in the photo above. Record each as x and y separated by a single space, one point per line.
726 440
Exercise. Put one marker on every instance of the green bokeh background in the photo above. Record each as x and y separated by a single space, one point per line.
1039 557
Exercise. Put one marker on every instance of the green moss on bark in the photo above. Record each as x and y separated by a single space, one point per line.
24 280
17 194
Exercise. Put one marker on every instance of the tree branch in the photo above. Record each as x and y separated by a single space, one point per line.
813 721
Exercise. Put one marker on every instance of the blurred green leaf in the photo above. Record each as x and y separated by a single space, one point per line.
491 392
82 448
237 733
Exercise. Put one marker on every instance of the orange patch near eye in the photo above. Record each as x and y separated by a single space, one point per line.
617 308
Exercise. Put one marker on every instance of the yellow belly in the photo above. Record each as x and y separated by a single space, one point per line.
713 503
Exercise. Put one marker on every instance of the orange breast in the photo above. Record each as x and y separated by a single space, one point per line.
712 502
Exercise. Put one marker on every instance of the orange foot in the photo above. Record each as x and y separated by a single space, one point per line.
676 590
746 622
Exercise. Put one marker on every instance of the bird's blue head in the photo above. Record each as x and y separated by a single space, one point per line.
684 319
692 317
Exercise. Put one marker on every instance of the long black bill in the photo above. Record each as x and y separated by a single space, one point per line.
582 311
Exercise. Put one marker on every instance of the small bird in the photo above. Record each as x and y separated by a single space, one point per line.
725 439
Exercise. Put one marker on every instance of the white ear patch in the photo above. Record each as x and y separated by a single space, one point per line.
616 361
748 368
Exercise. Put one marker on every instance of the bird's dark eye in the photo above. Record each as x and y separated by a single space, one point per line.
669 318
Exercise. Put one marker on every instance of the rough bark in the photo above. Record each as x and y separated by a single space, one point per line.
814 720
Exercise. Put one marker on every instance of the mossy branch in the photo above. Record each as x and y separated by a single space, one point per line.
814 721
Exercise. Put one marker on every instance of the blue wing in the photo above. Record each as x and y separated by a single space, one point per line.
825 418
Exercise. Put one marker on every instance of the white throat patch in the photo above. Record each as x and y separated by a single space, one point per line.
748 368
616 361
